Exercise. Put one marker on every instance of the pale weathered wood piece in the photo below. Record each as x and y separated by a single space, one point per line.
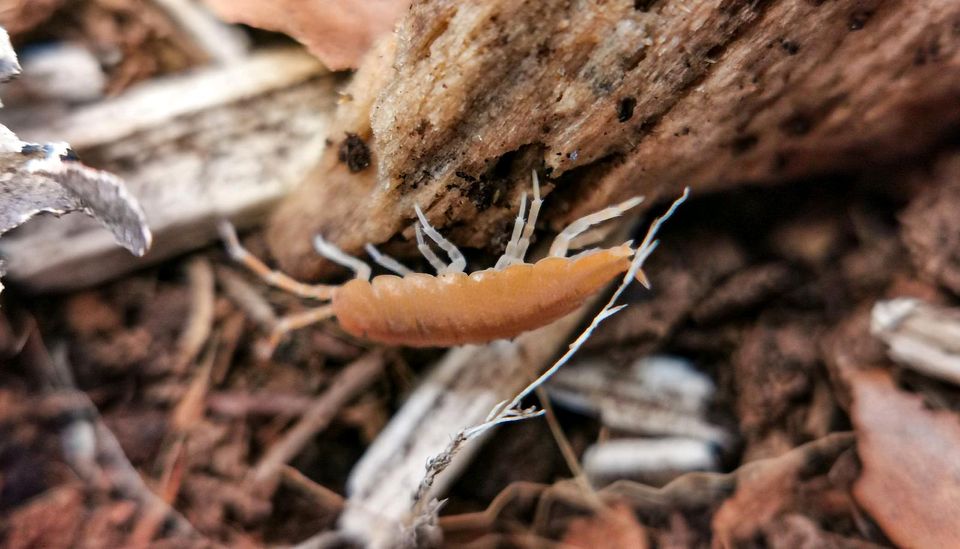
224 142
612 99
921 336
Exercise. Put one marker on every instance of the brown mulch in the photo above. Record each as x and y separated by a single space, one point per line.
746 305
140 413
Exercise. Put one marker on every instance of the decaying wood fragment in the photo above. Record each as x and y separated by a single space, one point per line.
654 396
923 337
336 187
224 142
652 461
610 100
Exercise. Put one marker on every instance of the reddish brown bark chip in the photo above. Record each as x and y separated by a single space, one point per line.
615 527
52 521
775 366
911 476
931 226
768 489
338 32
22 17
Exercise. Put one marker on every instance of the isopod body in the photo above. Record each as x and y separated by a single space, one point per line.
421 310
454 307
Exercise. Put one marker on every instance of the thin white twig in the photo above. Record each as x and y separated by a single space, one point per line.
507 418
643 252
511 412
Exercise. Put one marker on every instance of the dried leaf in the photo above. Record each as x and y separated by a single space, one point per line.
338 32
47 178
770 488
911 478
9 66
613 527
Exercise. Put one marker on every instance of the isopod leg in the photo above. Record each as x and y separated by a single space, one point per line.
291 323
510 253
340 257
531 220
274 278
457 262
427 252
386 261
522 230
561 244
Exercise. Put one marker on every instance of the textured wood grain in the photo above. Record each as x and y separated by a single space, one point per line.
611 100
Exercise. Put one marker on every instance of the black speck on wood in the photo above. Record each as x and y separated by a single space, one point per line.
625 108
354 152
858 19
790 46
643 5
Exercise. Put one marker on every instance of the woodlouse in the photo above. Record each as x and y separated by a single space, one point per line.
453 307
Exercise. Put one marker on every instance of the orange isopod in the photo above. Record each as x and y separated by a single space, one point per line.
453 307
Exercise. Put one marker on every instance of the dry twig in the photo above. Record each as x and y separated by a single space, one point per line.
200 322
348 382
